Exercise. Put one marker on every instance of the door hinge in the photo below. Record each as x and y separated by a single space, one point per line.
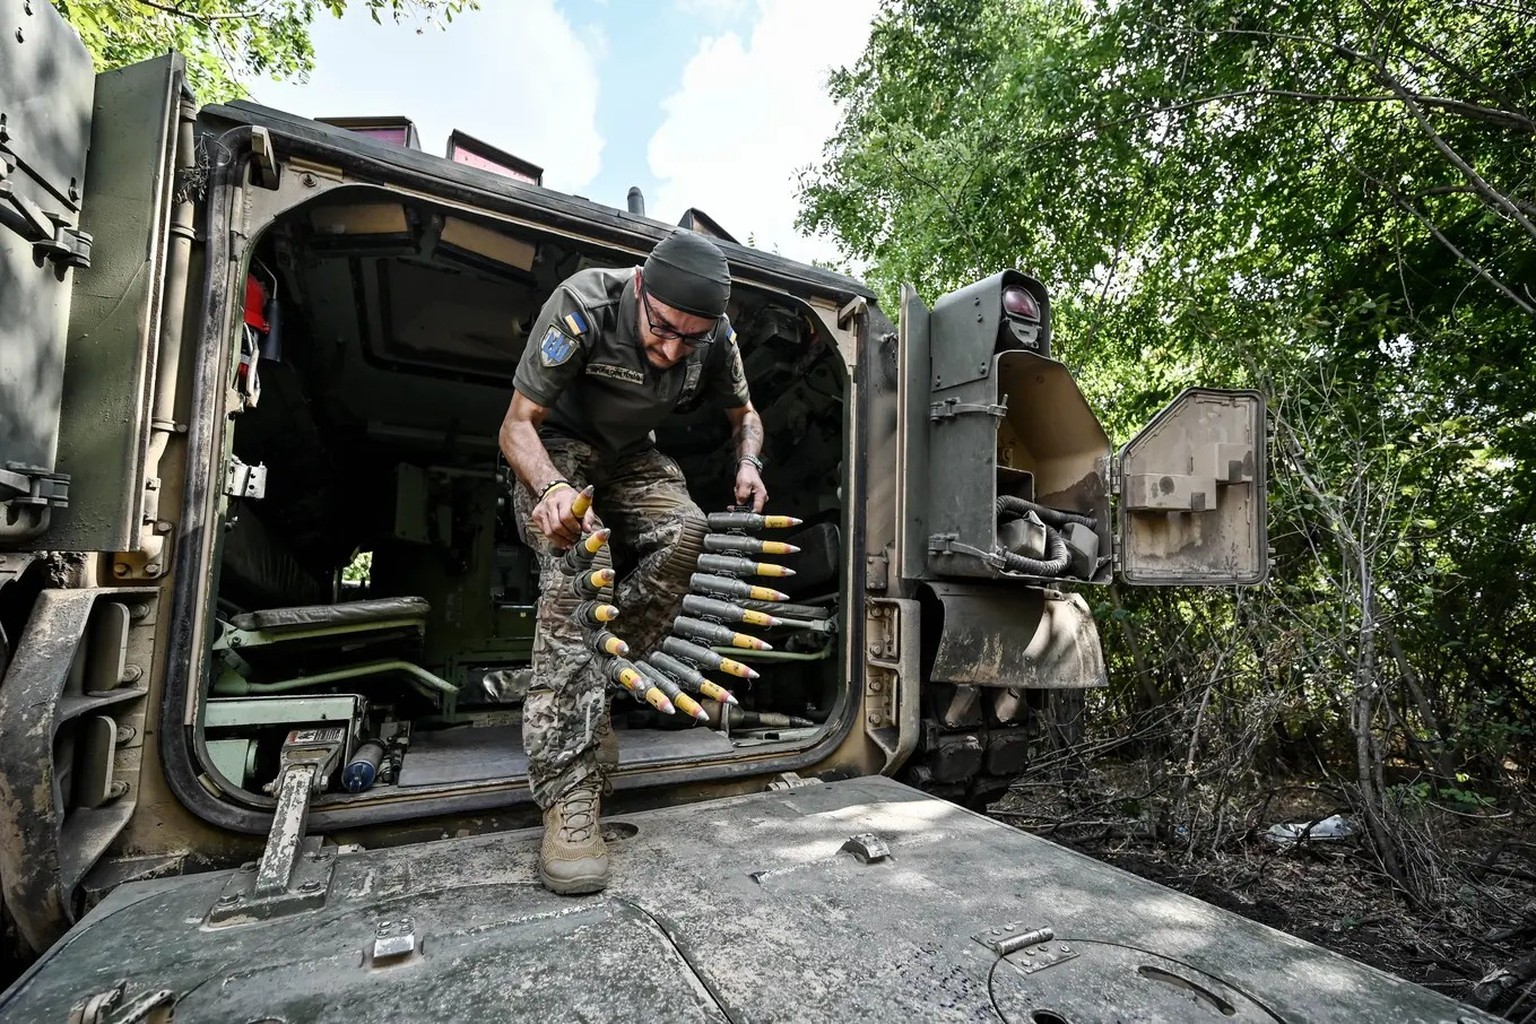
791 780
33 485
69 247
952 407
877 570
242 481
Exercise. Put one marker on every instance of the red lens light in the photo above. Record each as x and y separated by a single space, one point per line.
1018 302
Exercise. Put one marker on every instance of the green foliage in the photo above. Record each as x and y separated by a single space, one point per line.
1331 202
226 42
359 570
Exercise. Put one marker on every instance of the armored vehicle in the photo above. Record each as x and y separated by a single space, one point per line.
265 625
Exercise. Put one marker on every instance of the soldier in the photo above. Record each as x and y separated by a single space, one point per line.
612 353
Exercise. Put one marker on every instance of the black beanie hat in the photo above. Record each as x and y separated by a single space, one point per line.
688 272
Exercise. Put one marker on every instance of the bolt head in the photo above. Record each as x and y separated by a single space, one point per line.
120 569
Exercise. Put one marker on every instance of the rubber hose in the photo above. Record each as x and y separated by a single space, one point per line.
1057 558
1017 508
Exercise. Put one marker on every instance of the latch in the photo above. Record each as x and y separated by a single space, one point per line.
952 407
33 485
242 481
950 544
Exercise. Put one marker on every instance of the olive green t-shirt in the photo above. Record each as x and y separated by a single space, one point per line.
585 363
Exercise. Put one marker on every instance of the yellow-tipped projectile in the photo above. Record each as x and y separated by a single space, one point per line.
593 542
600 578
779 547
584 501
753 618
780 522
735 668
766 594
769 569
591 613
658 700
749 643
716 692
688 706
607 643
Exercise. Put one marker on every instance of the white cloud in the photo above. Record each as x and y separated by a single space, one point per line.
749 115
717 11
515 75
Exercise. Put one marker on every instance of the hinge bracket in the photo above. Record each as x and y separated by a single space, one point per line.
242 481
952 407
33 485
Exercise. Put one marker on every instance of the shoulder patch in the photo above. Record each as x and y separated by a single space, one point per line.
575 323
556 347
623 373
730 334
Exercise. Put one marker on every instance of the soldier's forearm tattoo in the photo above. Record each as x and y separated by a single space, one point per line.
749 436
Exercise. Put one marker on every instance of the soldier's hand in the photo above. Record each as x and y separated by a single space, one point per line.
749 484
553 517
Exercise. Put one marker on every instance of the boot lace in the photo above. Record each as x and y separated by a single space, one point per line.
579 814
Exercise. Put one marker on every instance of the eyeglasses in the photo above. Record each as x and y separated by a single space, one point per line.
666 331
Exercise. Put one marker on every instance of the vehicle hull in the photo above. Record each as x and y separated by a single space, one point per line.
750 908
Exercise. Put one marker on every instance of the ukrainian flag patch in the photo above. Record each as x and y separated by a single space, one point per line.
730 334
576 323
556 347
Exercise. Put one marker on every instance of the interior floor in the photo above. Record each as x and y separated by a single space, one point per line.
372 578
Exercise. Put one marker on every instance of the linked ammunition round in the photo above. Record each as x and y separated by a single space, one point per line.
582 503
607 643
580 555
724 586
732 566
750 521
594 614
679 670
725 543
684 703
725 611
591 583
626 675
680 648
710 633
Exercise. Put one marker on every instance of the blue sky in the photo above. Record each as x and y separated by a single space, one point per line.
707 103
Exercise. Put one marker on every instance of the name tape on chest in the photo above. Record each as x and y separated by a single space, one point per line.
619 373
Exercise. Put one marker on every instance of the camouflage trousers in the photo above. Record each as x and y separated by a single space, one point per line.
657 534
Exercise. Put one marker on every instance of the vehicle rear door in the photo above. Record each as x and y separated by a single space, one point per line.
1191 493
86 198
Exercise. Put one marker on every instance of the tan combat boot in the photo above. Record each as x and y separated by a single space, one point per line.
573 858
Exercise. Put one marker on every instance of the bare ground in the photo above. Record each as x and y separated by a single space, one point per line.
1475 943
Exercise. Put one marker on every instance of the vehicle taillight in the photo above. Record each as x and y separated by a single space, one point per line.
1018 302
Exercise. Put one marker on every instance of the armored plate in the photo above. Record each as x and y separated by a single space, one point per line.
850 901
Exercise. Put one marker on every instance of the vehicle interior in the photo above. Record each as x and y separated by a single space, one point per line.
370 576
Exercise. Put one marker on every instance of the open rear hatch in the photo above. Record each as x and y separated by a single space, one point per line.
369 572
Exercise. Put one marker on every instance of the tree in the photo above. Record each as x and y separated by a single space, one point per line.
226 42
1331 202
